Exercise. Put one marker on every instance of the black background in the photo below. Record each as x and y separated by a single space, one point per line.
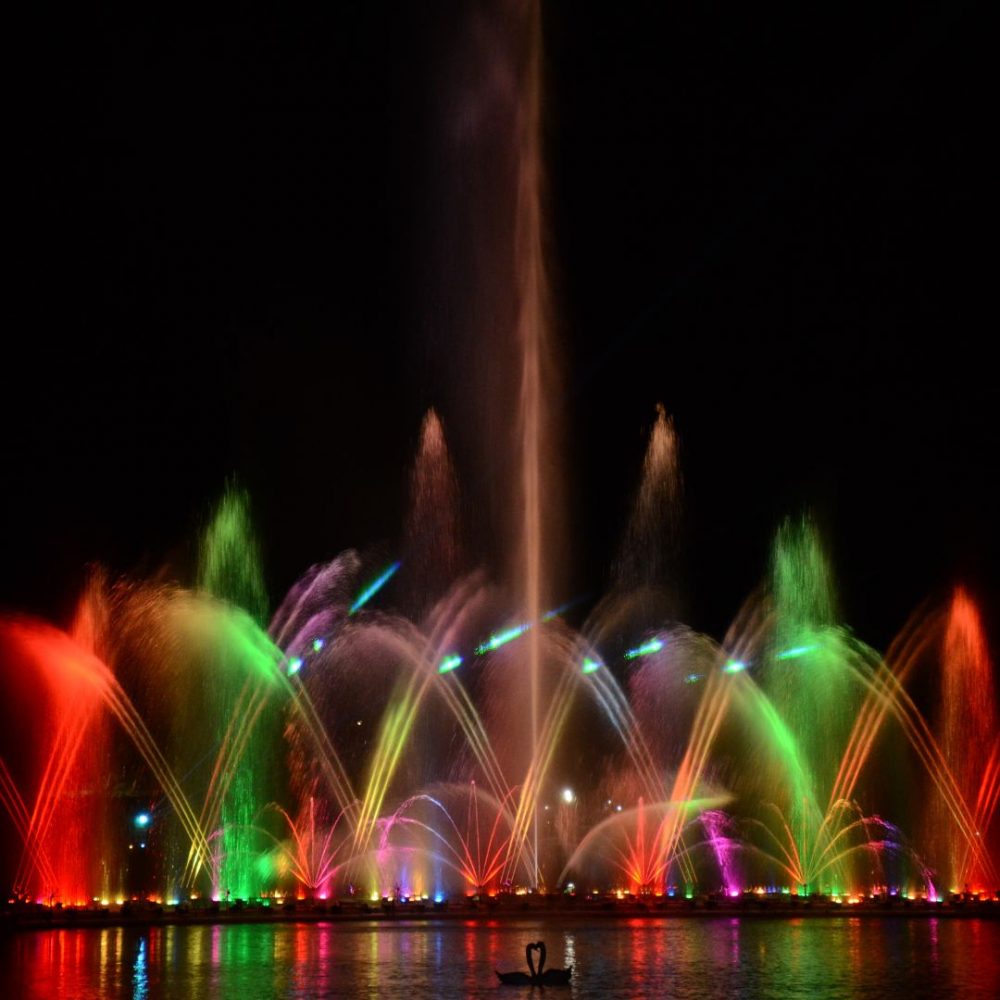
776 222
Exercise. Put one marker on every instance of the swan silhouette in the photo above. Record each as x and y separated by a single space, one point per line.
521 978
541 977
551 977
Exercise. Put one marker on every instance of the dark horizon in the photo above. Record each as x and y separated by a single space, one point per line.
773 225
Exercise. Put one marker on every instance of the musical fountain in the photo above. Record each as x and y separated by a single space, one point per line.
169 744
419 731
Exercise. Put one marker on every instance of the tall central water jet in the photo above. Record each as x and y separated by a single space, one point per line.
494 305
492 225
532 332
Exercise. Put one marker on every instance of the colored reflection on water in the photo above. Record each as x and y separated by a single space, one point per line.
647 957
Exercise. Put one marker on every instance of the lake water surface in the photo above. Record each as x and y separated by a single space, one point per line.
644 957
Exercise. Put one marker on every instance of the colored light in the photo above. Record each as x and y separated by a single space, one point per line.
556 612
502 638
508 635
449 663
653 646
794 652
374 587
438 898
805 740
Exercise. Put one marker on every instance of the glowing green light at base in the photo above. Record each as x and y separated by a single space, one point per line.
590 666
449 663
653 646
502 638
734 667
794 652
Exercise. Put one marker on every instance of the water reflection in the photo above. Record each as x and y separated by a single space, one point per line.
645 957
734 941
139 977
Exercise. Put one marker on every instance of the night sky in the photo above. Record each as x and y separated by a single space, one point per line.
229 264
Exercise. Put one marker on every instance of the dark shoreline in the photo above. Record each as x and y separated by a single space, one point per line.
42 918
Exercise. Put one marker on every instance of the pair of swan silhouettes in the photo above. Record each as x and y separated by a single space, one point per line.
543 977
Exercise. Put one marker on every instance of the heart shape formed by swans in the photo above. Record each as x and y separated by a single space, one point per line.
534 946
538 977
